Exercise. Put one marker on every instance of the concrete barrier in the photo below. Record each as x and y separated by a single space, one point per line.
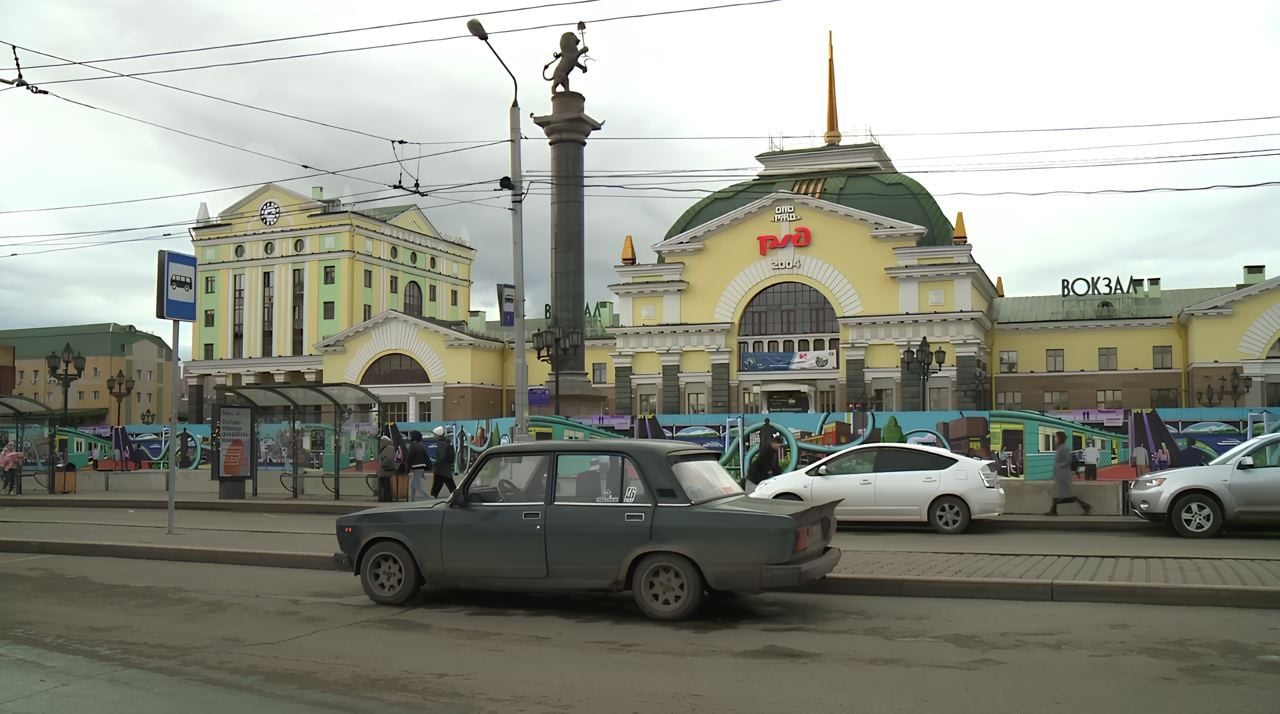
187 554
89 482
1033 498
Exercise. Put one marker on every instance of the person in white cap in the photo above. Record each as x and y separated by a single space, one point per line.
442 465
386 467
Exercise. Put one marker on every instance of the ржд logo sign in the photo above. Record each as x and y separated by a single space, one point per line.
801 238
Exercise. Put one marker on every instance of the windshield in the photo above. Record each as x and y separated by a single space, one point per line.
1237 451
704 479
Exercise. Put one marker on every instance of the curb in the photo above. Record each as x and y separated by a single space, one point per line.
867 585
1050 591
186 554
338 508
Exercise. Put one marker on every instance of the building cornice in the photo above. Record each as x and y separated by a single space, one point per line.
1120 322
672 269
290 363
924 317
649 287
702 327
1088 373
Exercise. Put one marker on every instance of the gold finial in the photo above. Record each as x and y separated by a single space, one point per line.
999 286
832 137
628 252
959 236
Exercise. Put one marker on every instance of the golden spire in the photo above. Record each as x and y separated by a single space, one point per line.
959 236
999 286
832 137
628 252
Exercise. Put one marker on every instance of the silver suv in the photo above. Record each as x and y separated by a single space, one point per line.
1241 484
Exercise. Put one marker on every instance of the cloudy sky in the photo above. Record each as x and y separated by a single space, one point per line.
698 91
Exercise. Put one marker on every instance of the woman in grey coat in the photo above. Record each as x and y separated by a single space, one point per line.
1063 475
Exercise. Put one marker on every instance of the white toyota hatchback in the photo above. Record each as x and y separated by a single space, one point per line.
896 482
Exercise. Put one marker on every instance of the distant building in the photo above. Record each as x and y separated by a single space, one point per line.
109 349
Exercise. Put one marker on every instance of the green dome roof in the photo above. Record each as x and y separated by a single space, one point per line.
888 194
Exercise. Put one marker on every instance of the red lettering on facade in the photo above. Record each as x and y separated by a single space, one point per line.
801 238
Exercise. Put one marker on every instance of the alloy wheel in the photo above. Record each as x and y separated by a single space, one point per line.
948 515
386 574
1196 517
665 587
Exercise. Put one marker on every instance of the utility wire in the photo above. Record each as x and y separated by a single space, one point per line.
320 53
291 38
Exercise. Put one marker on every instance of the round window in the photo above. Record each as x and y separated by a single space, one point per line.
239 251
268 248
433 262
413 258
298 245
395 252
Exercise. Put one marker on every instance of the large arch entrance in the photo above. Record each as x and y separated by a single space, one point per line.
401 383
788 350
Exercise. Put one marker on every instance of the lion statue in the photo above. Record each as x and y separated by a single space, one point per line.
568 57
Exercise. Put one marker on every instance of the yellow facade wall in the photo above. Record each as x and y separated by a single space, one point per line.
646 311
1080 346
946 287
1217 338
646 363
883 357
695 361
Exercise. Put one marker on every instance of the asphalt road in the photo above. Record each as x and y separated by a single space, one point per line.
107 636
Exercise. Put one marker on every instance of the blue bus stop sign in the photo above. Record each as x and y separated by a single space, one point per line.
175 286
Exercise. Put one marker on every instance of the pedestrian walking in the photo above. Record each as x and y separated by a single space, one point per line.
442 467
1063 475
94 454
766 463
1140 460
359 456
10 462
1162 458
1091 456
419 462
386 467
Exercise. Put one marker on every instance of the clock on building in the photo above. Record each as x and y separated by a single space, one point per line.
269 213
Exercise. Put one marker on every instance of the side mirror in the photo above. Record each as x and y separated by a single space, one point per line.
1245 462
822 470
458 499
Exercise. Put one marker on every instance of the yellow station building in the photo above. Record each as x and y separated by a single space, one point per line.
798 290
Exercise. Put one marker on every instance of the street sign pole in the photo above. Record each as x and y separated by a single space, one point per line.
175 301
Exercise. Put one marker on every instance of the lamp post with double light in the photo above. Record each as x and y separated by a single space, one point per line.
1233 387
514 184
551 345
65 368
924 362
120 387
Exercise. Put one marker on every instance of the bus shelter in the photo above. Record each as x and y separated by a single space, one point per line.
294 429
29 426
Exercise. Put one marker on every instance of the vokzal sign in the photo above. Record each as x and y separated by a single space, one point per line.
1103 285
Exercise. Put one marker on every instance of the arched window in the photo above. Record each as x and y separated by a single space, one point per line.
788 309
413 299
395 368
1274 352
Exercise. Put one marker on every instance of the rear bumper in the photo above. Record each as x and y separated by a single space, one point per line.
987 503
792 575
342 561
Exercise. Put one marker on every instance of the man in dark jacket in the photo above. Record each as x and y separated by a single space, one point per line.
442 468
418 462
386 467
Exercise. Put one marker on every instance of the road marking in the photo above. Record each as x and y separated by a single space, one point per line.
19 560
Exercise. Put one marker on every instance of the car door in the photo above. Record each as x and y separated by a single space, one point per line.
1256 490
906 481
601 511
497 528
849 477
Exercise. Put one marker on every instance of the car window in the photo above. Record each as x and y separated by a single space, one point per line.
891 460
508 478
598 478
704 479
854 462
1266 456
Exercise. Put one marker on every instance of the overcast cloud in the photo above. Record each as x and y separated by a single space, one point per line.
754 71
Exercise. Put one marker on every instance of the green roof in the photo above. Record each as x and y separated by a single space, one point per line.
1053 308
385 213
891 195
103 338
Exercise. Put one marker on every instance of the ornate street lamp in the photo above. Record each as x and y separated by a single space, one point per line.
925 363
65 368
148 417
1235 387
120 387
552 344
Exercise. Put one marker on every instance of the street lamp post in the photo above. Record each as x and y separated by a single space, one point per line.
514 183
551 345
66 368
120 387
1234 387
980 390
922 361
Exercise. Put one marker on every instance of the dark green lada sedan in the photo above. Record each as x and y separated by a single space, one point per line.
662 519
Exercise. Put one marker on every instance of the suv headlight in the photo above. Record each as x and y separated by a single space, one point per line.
1148 483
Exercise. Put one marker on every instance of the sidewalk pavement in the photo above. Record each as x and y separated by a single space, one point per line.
1158 569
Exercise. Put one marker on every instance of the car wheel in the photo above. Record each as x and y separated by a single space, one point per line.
787 497
949 515
1196 515
389 574
667 587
